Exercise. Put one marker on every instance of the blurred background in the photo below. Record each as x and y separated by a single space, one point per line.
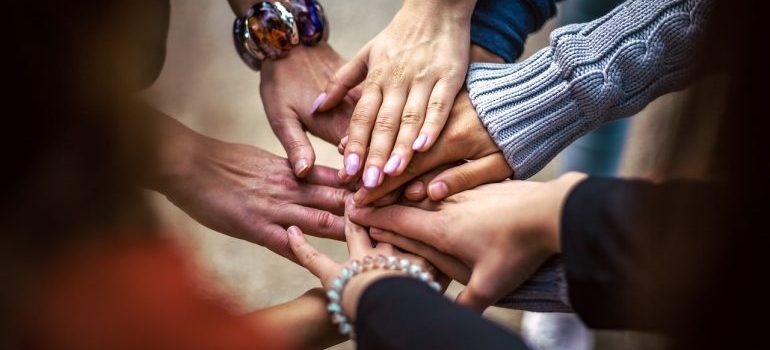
206 86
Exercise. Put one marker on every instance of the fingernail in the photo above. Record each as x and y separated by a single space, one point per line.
301 167
371 177
317 103
375 231
294 231
351 164
416 188
420 142
438 190
392 164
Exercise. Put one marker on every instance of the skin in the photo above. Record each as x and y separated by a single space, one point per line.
463 141
245 192
503 232
288 87
306 319
359 246
408 89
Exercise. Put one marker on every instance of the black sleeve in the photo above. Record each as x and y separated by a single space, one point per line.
630 249
404 313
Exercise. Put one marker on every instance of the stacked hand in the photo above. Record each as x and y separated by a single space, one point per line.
502 232
246 192
413 71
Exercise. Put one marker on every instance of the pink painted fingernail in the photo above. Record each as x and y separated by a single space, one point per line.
438 190
392 164
351 164
420 142
294 231
317 103
371 177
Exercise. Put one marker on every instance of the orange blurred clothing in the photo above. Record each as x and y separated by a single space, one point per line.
136 295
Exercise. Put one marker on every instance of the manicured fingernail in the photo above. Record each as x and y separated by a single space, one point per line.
420 142
371 177
438 190
392 164
301 167
294 231
351 164
317 103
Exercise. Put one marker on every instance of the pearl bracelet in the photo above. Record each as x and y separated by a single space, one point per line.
368 263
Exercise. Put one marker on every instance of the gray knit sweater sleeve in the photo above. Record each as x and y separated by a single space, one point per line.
589 74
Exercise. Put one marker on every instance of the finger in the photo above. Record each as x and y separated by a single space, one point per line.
314 222
384 135
324 176
411 222
361 123
318 264
417 190
331 199
388 199
439 105
445 263
341 146
410 124
357 238
296 143
274 237
491 279
419 165
491 168
344 79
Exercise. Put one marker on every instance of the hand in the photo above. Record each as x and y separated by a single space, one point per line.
359 246
245 192
413 69
463 138
288 87
503 231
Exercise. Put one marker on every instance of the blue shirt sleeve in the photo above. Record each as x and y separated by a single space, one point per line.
502 26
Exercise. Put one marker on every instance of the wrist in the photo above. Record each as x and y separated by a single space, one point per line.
479 54
561 188
178 148
358 284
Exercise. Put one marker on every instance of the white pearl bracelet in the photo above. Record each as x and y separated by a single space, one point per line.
368 263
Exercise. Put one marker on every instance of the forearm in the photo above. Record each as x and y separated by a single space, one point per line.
305 320
591 73
403 313
502 26
633 250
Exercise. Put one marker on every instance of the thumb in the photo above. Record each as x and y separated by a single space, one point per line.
491 168
346 78
296 143
490 281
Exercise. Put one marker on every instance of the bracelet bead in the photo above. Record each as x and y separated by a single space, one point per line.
334 294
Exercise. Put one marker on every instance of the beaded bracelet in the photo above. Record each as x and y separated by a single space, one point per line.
368 263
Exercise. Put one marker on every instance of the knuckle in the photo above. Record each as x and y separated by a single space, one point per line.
411 118
285 182
325 220
462 179
294 145
361 116
438 106
384 125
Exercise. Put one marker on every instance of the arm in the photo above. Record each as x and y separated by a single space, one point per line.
305 318
591 73
403 313
502 26
639 257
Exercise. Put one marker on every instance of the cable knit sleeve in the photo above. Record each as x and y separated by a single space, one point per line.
590 73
